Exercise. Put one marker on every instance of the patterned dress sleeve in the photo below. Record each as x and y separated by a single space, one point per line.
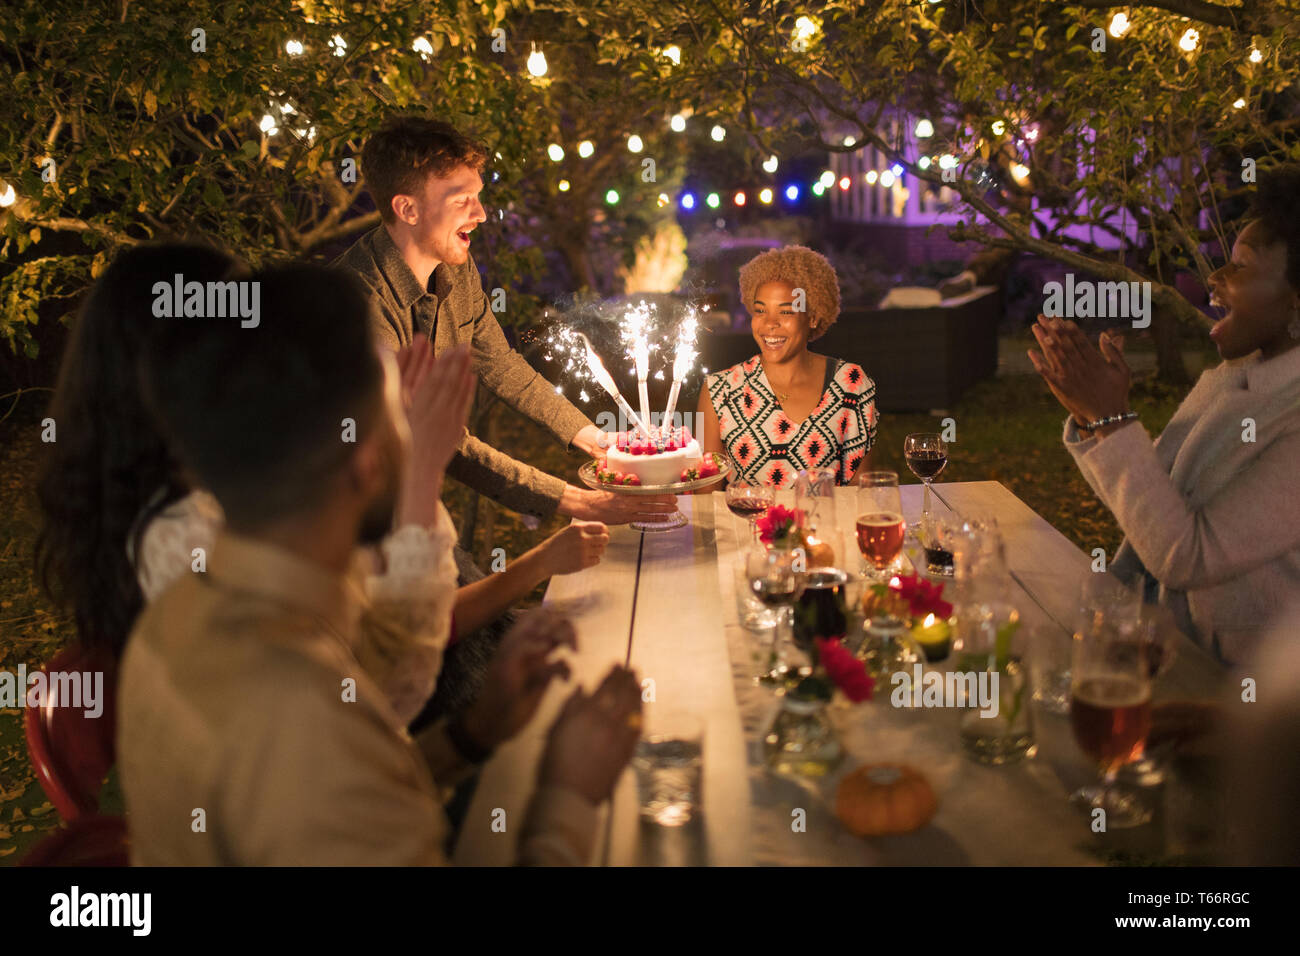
859 421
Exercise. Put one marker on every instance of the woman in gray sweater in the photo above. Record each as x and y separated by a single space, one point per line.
1211 509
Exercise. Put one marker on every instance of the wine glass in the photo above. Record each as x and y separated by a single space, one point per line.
880 524
748 500
926 454
777 580
1110 713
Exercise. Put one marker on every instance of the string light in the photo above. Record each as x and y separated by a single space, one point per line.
1119 25
555 151
293 47
998 127
1189 40
924 162
818 188
924 129
897 170
845 182
792 192
674 53
586 148
677 124
1239 104
805 28
634 143
537 62
7 196
1255 55
849 140
564 185
688 201
887 178
423 47
1019 172
713 200
663 200
718 134
765 197
339 44
947 161
871 177
611 197
268 125
827 179
738 199
769 164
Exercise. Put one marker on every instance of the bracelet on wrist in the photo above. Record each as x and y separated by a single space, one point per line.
1108 420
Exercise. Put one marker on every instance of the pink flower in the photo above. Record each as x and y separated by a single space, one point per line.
923 597
778 523
848 673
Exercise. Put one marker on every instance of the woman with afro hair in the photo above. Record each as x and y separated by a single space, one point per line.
787 409
1209 509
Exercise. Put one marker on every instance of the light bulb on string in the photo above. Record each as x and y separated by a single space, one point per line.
537 62
586 148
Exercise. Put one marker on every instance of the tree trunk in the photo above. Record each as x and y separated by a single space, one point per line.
1170 367
575 254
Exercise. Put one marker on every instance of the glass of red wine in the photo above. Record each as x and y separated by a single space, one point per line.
777 578
926 454
880 526
748 500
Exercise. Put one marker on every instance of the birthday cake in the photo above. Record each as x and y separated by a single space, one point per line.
672 457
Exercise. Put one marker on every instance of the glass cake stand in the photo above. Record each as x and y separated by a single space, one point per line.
670 521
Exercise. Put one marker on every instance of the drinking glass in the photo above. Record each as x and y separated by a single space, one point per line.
814 492
880 524
1110 713
748 500
776 578
668 761
926 454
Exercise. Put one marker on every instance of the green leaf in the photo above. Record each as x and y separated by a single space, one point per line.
249 149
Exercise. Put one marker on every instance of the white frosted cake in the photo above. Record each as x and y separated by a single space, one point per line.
651 463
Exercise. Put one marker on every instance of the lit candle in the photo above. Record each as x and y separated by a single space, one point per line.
606 381
934 635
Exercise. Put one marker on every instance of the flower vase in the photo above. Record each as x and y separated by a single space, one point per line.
801 741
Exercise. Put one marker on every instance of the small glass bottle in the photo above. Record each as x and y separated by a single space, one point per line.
801 741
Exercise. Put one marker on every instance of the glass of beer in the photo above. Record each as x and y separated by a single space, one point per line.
880 525
1110 714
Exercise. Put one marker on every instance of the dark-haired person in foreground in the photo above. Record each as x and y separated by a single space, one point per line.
121 520
1209 510
240 691
425 178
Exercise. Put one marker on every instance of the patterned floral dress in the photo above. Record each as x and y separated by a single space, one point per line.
769 448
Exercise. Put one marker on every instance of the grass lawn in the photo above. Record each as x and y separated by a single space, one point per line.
1008 430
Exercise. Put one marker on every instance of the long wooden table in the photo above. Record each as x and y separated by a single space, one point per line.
665 604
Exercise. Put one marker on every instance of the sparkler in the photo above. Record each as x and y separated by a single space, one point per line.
681 364
641 352
606 381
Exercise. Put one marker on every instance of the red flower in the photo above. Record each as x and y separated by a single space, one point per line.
923 597
848 673
777 523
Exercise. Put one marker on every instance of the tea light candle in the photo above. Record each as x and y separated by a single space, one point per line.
935 637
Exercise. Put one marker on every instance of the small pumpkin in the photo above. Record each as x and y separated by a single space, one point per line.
820 554
880 799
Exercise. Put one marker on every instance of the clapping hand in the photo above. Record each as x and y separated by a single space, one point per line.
594 737
1090 383
518 676
437 393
